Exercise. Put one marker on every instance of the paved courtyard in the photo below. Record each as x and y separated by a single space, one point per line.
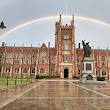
56 95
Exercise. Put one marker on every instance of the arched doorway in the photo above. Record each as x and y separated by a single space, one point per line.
65 73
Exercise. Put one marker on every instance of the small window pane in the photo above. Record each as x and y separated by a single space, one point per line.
66 36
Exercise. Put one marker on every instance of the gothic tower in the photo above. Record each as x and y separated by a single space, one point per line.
66 51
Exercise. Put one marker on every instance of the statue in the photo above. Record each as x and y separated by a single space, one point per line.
86 49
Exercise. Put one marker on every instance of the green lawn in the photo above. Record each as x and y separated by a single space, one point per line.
13 81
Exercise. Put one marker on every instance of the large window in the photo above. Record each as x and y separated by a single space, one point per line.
0 69
103 58
95 57
96 73
53 59
66 58
16 70
78 60
17 58
42 70
43 57
66 46
25 70
8 58
7 70
66 36
103 61
78 71
33 70
34 57
52 71
0 58
103 73
26 58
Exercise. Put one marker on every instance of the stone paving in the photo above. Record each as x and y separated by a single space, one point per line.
56 95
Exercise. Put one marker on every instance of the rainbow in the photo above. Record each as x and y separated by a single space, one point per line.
54 17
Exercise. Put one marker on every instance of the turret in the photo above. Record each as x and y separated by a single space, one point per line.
60 22
72 22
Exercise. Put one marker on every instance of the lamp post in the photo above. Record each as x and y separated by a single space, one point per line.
7 76
16 76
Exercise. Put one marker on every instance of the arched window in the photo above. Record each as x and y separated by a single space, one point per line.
42 70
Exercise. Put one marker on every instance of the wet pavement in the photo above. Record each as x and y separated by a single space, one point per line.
56 95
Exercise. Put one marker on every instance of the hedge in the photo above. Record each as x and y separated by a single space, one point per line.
100 78
42 77
76 77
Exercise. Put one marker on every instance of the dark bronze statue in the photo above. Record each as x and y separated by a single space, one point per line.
86 49
2 26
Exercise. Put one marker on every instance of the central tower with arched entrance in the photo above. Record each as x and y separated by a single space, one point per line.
66 51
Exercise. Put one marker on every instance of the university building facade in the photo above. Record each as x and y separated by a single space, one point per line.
64 60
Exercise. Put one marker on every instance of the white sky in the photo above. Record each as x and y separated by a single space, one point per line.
16 12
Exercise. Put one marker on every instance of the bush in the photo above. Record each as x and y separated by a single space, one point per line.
76 77
100 78
42 77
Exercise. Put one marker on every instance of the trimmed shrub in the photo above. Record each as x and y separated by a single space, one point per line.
42 77
77 77
100 78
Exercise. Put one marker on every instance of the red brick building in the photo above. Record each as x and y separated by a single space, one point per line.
63 60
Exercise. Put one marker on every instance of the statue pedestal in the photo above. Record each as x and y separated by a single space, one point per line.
87 72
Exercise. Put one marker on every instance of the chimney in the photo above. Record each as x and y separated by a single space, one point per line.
48 44
72 22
